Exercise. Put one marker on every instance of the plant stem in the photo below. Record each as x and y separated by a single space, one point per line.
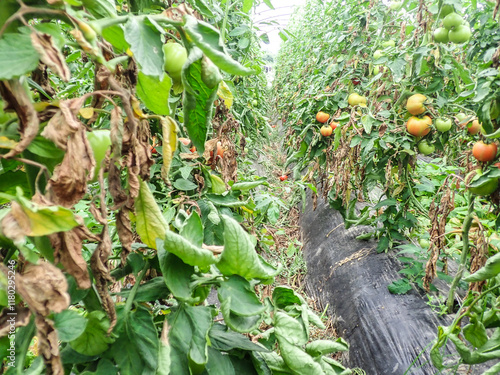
133 292
465 251
224 22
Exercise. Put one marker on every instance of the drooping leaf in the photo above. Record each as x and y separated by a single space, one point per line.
224 339
150 221
198 100
207 38
69 324
154 93
95 339
189 253
242 297
100 8
145 43
239 256
193 229
176 274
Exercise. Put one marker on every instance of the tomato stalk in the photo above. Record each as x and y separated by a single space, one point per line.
133 292
465 250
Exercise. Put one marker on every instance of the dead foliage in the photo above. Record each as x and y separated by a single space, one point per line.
478 257
438 215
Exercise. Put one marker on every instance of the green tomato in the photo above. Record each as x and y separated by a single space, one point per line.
441 35
255 103
460 34
443 124
376 70
452 20
100 142
395 5
425 148
378 54
389 43
446 9
486 188
175 57
424 243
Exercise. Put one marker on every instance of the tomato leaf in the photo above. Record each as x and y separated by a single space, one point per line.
154 93
241 296
239 256
176 274
189 253
17 56
95 339
69 324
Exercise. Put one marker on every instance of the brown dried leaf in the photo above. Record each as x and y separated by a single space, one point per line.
125 234
44 288
15 225
69 181
50 55
10 322
48 345
15 95
68 250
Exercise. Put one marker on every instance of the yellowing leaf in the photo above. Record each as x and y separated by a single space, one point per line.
86 113
169 130
7 142
136 106
224 92
150 221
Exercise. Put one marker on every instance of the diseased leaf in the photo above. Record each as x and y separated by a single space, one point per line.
224 92
50 54
169 131
150 221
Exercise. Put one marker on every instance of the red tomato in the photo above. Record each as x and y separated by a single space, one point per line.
419 126
284 177
334 125
484 152
355 81
322 117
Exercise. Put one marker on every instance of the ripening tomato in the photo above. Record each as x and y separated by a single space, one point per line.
192 149
356 99
322 117
415 104
220 150
153 149
284 177
474 128
334 125
326 130
355 81
184 141
419 126
484 152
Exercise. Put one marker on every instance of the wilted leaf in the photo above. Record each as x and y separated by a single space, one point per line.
150 221
185 250
169 131
225 94
48 345
50 54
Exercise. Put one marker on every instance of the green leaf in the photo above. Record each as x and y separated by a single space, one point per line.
150 291
225 340
241 296
69 324
291 328
398 68
268 3
226 200
145 43
136 349
176 274
239 256
94 340
218 363
247 5
207 38
17 56
116 36
190 254
401 286
184 185
192 229
321 347
490 269
188 334
198 100
475 333
247 185
44 147
239 323
154 93
285 296
100 8
297 360
150 223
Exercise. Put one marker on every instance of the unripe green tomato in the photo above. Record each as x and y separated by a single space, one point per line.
376 70
389 43
460 34
452 20
425 148
210 74
255 103
100 141
395 5
378 54
424 243
441 35
486 188
446 9
443 124
175 57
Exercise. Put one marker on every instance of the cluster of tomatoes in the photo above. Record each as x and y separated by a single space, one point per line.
454 28
328 128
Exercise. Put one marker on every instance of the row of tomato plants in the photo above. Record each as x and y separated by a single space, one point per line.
364 89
